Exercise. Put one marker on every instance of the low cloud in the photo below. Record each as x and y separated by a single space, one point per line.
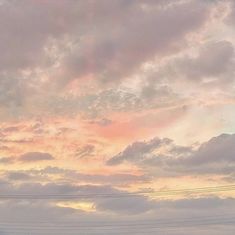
161 213
138 151
217 156
6 160
35 157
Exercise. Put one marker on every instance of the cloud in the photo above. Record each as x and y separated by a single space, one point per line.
217 150
57 43
138 204
19 176
147 151
53 21
108 210
100 75
162 213
146 33
38 23
35 157
67 175
64 44
204 203
217 156
230 19
85 151
6 160
214 60
133 205
138 151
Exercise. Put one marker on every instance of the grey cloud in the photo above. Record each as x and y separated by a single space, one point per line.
6 160
140 151
125 46
27 26
135 205
61 39
109 210
215 60
12 91
230 19
138 204
19 176
112 179
35 156
210 66
33 188
218 150
204 203
66 175
163 212
216 156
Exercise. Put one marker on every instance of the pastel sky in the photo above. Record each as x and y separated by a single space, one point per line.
117 97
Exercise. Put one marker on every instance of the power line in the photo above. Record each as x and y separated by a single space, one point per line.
195 223
216 223
224 188
123 223
219 219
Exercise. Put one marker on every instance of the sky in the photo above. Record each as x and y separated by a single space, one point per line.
115 100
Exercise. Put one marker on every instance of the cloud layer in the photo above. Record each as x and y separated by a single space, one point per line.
116 97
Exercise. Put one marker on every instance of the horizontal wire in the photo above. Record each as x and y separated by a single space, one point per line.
131 229
139 231
120 195
207 219
129 223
